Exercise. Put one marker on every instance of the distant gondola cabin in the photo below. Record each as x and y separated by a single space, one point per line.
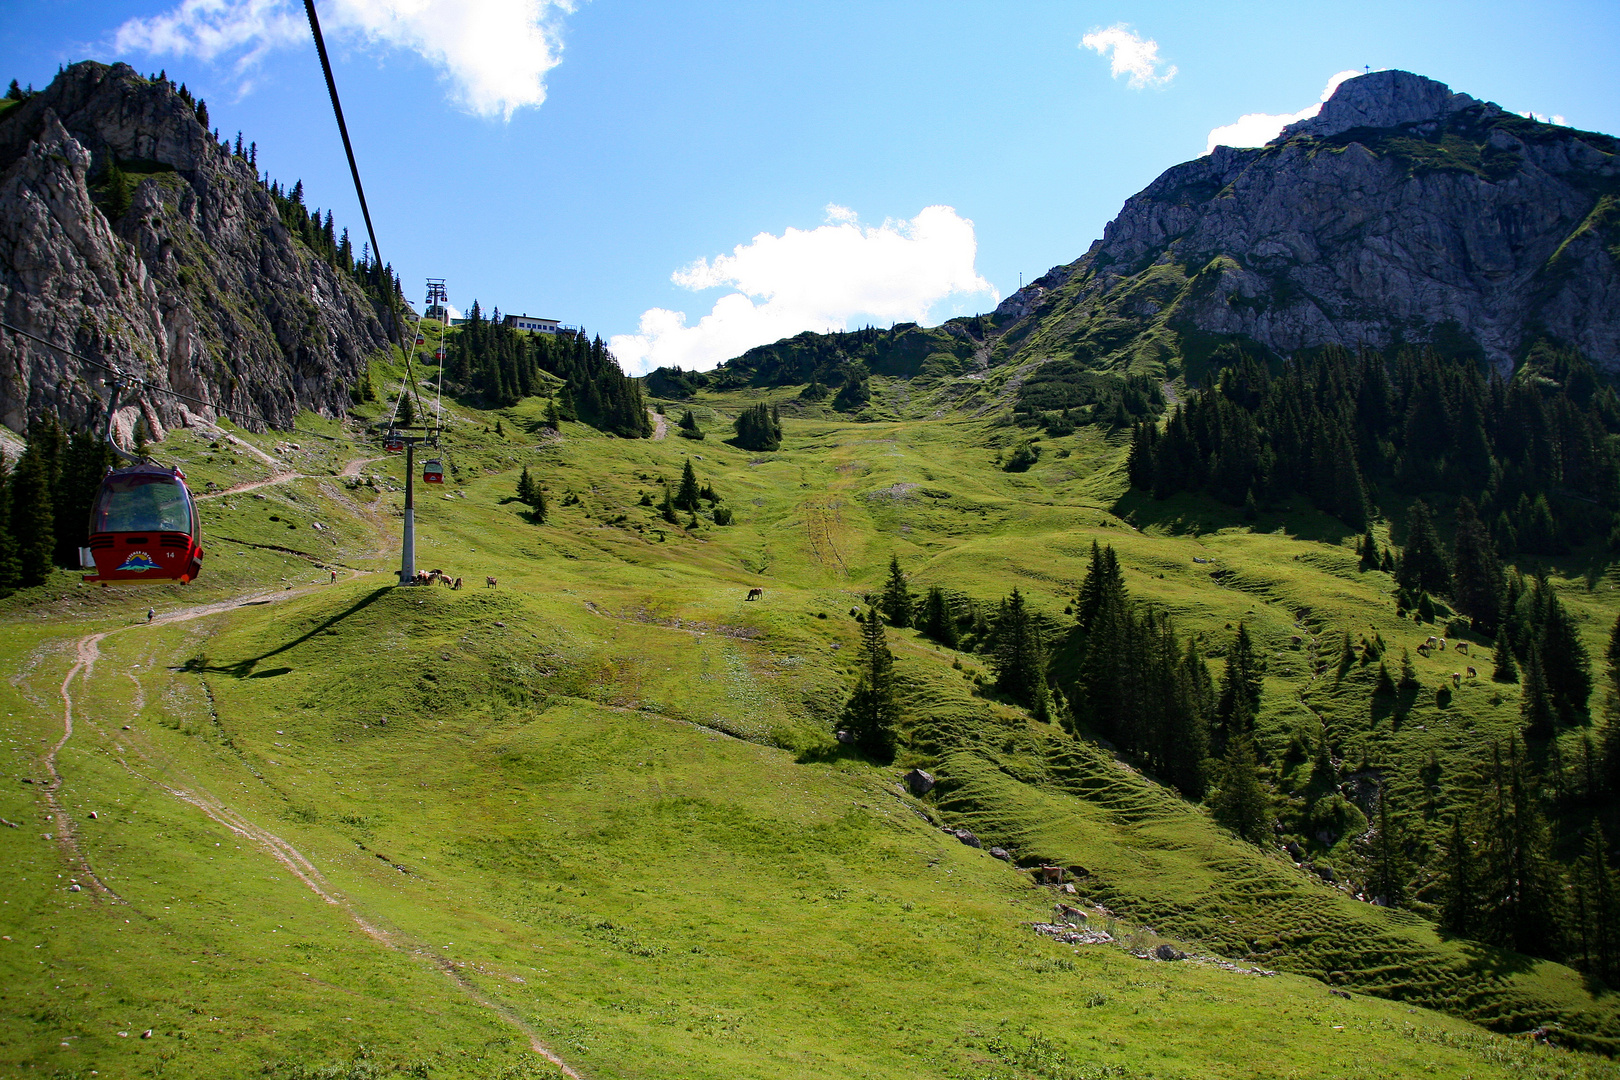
433 471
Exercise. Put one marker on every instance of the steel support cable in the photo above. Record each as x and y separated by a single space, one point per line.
359 189
130 380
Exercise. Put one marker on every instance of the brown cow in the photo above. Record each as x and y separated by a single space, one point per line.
489 583
756 594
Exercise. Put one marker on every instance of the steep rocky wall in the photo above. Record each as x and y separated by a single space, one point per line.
1401 213
198 288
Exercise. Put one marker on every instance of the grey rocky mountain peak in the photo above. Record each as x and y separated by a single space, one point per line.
1403 213
199 287
1381 99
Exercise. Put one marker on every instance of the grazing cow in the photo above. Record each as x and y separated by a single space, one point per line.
1432 640
1462 647
1423 651
489 583
1456 678
1472 673
1442 644
457 585
756 594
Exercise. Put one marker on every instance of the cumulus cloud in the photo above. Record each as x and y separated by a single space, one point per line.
1130 54
494 54
1257 129
812 279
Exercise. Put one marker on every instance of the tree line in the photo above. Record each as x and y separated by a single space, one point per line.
503 365
46 496
1346 429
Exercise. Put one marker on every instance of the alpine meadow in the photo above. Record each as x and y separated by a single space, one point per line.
1204 663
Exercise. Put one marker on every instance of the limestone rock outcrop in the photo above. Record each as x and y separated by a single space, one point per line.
198 287
1401 213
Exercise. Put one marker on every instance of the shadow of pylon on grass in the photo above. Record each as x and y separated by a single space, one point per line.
243 669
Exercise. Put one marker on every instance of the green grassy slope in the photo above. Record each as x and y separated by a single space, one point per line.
595 806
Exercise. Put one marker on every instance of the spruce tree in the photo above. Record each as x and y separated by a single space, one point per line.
1476 572
539 504
1020 659
689 426
525 488
667 508
1535 705
938 621
553 418
1239 702
1612 655
10 570
1423 566
896 602
406 414
1241 803
1459 884
686 498
872 714
1388 877
1599 898
1409 679
1521 887
1503 668
1563 654
33 505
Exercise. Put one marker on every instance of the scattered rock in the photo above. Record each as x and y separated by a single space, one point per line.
1168 952
1323 872
845 737
1069 888
8 824
147 1034
92 815
1340 993
75 887
1295 852
967 838
26 780
1070 935
126 727
1001 853
920 783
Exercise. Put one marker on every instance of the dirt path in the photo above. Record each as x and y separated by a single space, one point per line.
87 652
660 424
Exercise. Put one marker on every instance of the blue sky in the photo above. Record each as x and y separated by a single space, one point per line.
762 168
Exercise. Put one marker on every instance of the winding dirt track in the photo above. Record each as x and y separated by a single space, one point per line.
87 652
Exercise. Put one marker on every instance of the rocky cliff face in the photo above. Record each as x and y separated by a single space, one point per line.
1401 213
198 287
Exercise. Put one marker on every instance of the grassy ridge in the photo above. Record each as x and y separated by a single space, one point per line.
600 793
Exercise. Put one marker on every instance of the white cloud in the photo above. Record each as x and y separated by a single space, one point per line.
1257 129
812 279
493 53
1545 118
1133 55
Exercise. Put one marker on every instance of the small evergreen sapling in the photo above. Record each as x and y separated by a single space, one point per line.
872 714
896 602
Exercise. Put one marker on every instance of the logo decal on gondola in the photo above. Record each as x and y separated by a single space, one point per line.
139 561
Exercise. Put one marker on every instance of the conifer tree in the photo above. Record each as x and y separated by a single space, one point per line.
872 714
1476 573
525 488
896 602
1388 878
1598 897
686 497
1368 550
1409 679
1535 705
938 621
667 508
1422 566
407 410
539 504
1241 803
1521 887
1239 702
1612 655
33 510
1564 660
1020 658
689 426
553 415
10 569
1459 882
1503 669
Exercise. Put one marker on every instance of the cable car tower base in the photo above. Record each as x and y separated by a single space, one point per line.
396 439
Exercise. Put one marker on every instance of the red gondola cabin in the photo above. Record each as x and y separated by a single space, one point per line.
433 471
144 527
393 444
